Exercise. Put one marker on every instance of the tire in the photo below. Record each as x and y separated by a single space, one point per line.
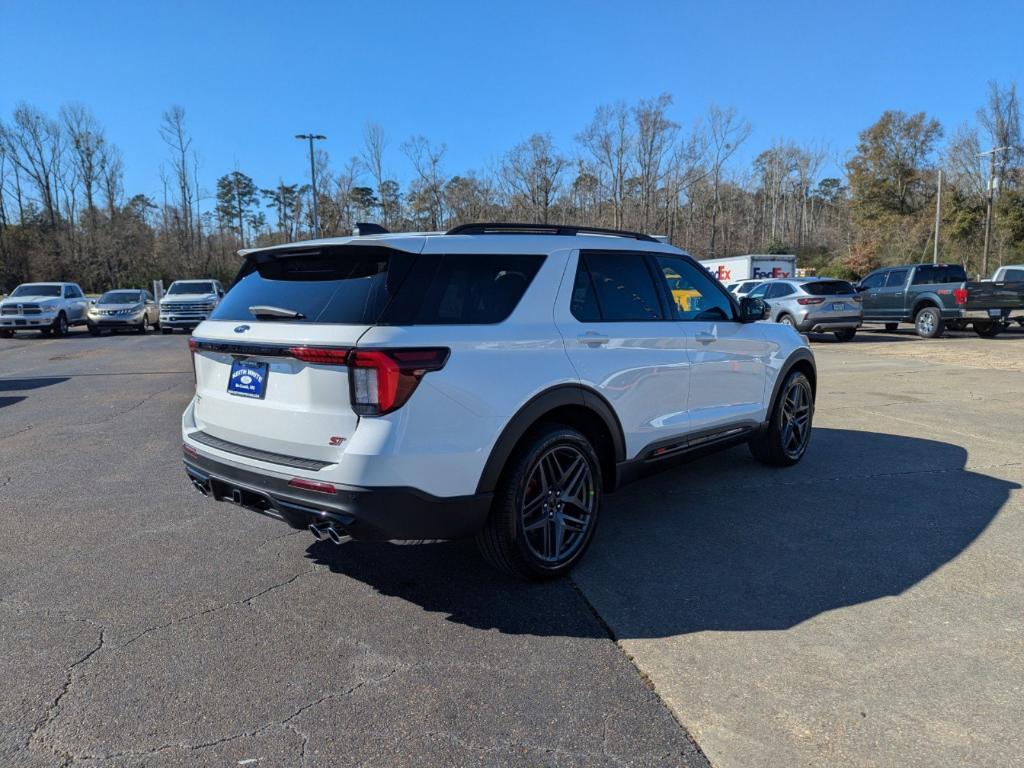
166 331
6 334
521 535
891 326
143 326
928 323
60 325
988 330
783 443
846 334
787 320
95 331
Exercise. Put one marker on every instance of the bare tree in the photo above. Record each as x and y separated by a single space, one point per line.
609 140
531 173
179 142
375 143
427 191
726 133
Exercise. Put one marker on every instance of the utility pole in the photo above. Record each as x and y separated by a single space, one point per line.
311 137
938 218
988 208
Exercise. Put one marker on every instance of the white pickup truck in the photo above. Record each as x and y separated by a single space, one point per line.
188 302
45 307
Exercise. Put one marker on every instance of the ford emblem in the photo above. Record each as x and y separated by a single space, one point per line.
242 329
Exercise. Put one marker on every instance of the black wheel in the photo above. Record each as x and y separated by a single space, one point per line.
785 440
928 323
144 325
60 325
891 326
788 320
546 505
165 331
6 334
988 330
846 334
95 331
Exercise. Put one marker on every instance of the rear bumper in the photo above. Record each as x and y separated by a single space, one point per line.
983 314
812 323
363 513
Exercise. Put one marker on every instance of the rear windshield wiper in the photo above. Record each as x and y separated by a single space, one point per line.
265 311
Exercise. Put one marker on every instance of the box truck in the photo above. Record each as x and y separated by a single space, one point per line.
755 266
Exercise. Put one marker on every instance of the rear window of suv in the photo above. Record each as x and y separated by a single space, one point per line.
367 285
828 288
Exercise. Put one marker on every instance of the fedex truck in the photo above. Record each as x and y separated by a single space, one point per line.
755 266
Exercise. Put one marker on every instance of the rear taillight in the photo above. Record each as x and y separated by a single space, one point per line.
810 300
382 380
960 295
321 355
192 346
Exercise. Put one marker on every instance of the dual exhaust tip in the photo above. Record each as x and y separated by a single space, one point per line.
326 531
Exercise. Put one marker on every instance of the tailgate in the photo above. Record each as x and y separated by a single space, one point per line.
294 407
983 296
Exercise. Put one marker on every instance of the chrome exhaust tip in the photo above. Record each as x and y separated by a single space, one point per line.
337 536
317 531
200 486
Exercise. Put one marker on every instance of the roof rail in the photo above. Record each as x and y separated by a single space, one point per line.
543 229
368 228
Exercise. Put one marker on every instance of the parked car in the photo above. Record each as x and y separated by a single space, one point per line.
187 303
45 307
743 287
493 381
1011 273
123 309
811 304
932 296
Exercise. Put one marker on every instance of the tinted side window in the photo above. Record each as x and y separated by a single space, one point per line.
828 288
876 280
624 287
466 288
897 278
1013 276
929 274
695 295
779 290
583 303
759 291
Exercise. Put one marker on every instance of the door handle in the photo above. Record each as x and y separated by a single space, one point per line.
704 337
592 339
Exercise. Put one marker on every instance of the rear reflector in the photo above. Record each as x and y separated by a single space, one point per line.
312 485
190 451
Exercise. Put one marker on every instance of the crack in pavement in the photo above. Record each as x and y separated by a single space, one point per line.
247 601
52 708
134 407
285 723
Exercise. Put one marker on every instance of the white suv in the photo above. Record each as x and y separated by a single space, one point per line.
494 380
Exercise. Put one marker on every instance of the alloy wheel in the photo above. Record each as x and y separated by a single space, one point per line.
796 419
926 323
558 506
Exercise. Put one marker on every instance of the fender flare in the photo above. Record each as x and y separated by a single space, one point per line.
532 411
801 354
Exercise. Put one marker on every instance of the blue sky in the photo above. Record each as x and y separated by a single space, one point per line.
482 76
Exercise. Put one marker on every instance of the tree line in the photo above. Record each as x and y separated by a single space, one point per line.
65 213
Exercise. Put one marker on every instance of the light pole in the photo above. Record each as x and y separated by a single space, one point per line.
988 208
311 137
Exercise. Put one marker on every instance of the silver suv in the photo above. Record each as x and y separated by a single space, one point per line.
813 304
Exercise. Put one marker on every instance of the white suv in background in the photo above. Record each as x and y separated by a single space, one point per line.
495 381
188 302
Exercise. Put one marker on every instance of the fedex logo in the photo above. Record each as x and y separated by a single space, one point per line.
722 273
763 273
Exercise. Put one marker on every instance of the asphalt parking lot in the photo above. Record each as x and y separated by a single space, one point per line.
863 608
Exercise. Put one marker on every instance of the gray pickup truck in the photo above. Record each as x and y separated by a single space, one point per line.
938 296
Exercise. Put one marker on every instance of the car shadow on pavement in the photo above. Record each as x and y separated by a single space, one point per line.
723 543
21 385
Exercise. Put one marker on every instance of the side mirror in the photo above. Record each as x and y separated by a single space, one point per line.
752 310
860 288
